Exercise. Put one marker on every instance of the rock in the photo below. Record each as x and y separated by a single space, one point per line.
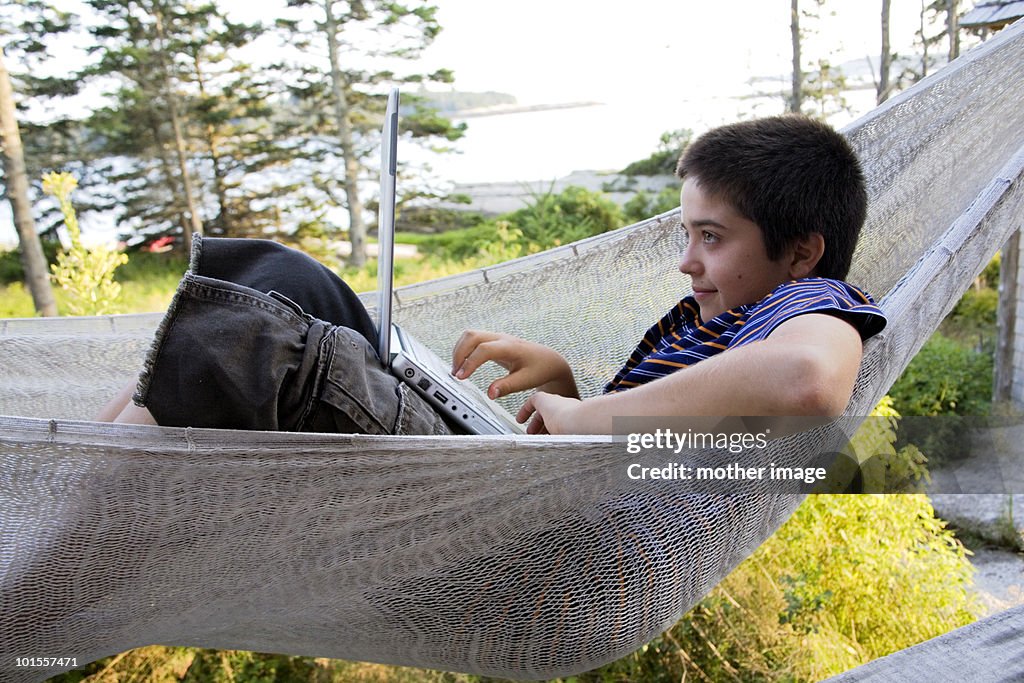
992 518
999 578
992 528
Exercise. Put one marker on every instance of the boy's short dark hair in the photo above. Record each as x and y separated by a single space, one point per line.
792 176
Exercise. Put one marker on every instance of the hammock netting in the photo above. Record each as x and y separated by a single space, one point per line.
520 556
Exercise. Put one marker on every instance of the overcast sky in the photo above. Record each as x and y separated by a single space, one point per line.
609 50
553 50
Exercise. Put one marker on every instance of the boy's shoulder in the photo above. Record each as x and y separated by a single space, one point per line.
812 295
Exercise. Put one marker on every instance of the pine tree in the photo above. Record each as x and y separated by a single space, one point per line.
239 148
148 167
238 128
360 43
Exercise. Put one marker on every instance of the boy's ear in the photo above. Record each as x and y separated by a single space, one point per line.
805 254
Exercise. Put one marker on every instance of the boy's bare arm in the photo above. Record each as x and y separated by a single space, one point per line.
530 365
807 366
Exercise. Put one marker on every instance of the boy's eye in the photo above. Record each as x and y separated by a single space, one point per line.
708 237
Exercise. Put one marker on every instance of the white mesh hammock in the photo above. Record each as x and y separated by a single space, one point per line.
521 557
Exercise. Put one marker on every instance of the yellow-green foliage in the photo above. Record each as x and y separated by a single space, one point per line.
848 579
161 664
886 470
86 275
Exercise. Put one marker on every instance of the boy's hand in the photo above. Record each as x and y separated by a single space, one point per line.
530 365
551 414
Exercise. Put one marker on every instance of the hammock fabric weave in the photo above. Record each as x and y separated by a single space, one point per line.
521 557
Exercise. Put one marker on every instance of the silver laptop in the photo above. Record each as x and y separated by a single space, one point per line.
409 360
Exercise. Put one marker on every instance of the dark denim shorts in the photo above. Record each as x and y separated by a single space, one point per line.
230 356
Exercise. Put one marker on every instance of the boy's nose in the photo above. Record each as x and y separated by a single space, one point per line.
687 264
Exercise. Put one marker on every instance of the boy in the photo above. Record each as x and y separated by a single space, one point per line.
771 211
770 208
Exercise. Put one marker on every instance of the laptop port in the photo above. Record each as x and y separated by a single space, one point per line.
440 397
424 384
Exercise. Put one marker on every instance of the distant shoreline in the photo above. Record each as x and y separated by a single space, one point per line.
502 109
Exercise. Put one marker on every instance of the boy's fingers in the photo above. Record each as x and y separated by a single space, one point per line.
528 411
515 381
494 350
472 360
536 425
465 346
525 411
496 390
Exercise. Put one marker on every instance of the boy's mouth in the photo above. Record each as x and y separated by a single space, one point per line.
702 292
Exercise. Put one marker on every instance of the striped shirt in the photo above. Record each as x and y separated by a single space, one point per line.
681 338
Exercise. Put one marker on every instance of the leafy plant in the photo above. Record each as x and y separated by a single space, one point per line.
663 160
846 580
643 205
888 465
548 221
86 275
972 322
554 219
944 378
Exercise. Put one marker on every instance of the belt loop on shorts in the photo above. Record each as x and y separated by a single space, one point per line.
274 294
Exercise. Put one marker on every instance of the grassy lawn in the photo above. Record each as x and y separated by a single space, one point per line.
148 280
147 285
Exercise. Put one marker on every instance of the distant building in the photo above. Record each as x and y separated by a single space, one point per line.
992 15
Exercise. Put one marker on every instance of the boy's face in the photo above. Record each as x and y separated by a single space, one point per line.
725 255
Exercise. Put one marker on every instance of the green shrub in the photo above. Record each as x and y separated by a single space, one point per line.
549 221
887 464
554 219
663 161
990 275
460 245
643 205
846 580
972 322
944 378
11 269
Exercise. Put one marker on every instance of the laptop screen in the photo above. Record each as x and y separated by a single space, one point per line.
386 226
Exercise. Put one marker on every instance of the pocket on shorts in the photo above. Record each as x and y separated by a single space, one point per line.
360 395
416 416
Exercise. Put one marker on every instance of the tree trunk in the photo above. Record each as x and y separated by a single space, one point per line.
170 177
357 228
953 27
885 64
1009 271
227 220
37 274
924 42
796 98
195 225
